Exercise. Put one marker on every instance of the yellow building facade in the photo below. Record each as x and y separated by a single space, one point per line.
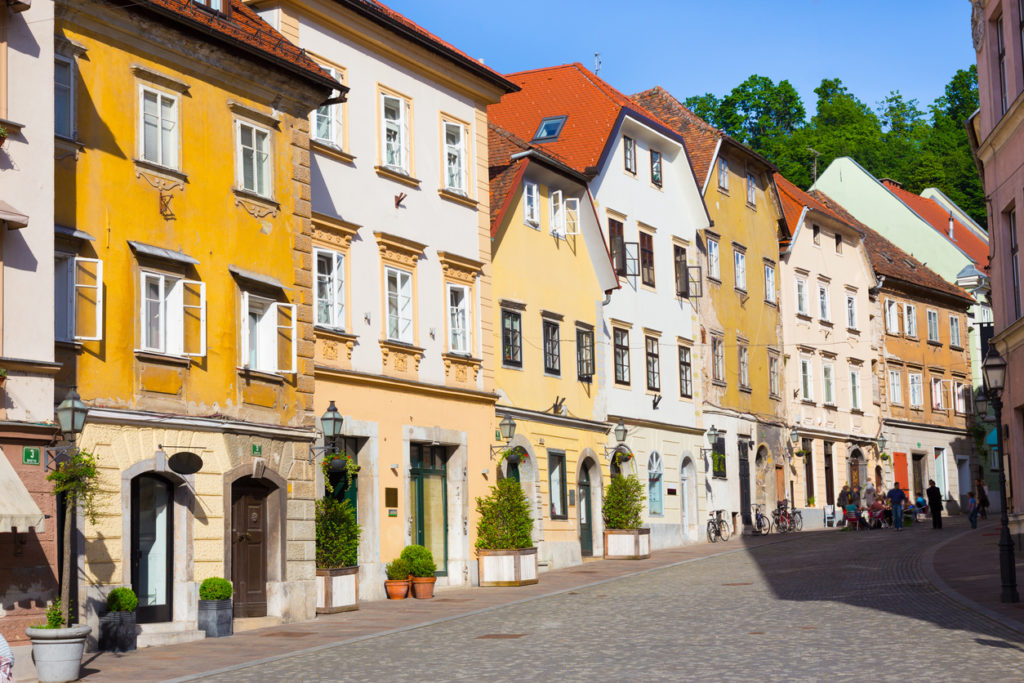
183 305
551 274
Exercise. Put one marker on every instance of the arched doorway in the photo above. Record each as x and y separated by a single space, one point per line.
688 496
588 484
249 545
621 462
515 459
655 499
152 547
879 487
858 469
762 467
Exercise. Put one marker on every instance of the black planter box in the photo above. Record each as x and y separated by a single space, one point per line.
215 618
117 632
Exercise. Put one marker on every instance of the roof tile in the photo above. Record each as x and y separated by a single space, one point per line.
701 137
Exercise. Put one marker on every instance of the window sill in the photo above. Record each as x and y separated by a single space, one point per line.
741 291
457 197
532 224
659 188
803 316
625 385
934 343
334 333
746 390
769 302
719 383
67 145
162 358
714 280
752 207
511 366
774 397
826 323
807 402
165 172
856 411
402 346
261 375
250 196
723 190
955 347
649 287
853 330
830 406
397 176
722 477
329 149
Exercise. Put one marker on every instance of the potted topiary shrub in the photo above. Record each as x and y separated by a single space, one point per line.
57 646
505 552
117 626
422 569
622 508
337 543
215 617
397 584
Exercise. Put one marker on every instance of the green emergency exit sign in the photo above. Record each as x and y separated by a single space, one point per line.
257 450
29 456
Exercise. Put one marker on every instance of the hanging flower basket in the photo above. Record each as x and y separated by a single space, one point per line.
339 463
514 455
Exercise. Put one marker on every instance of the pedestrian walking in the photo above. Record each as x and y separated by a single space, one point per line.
972 509
855 495
934 503
982 499
843 500
897 498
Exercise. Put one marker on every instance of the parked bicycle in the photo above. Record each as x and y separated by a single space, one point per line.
718 528
762 525
782 518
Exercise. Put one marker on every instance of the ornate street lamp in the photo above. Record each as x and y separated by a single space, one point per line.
994 372
71 415
620 431
881 443
794 436
507 428
712 436
331 422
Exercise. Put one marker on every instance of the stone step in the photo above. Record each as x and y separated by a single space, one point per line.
167 633
252 623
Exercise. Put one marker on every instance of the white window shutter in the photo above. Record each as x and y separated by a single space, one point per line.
383 131
87 303
287 342
244 322
557 226
404 109
193 315
572 216
339 290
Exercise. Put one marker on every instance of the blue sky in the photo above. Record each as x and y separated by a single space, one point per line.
691 47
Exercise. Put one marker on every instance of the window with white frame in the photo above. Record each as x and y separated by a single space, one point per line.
656 168
801 296
652 356
769 283
654 480
629 154
584 354
172 315
685 373
620 341
915 384
961 397
774 388
459 319
455 157
552 347
910 320
740 268
824 302
892 317
806 380
751 190
744 360
158 127
64 97
954 331
723 174
531 203
327 121
565 211
938 394
851 311
933 325
399 304
330 288
717 359
854 388
895 387
78 298
395 133
828 394
269 339
253 158
714 264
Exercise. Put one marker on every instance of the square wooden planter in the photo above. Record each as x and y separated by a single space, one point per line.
507 567
337 590
627 544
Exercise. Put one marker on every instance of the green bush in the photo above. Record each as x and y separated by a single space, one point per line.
623 503
215 588
337 534
122 600
54 616
505 522
397 569
421 562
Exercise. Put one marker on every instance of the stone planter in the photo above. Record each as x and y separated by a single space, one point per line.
337 590
57 652
423 587
215 618
398 589
627 544
117 632
507 567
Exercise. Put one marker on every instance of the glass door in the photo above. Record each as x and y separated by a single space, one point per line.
152 547
586 518
428 498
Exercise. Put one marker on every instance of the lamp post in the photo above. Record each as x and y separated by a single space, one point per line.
507 428
331 422
71 415
712 436
881 444
620 432
994 371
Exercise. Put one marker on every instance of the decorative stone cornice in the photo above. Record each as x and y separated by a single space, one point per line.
399 250
461 370
459 268
401 359
333 231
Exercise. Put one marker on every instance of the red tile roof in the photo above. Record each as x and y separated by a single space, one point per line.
244 28
933 213
505 172
592 108
701 137
794 200
889 260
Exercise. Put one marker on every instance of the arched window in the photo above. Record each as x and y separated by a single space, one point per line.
654 472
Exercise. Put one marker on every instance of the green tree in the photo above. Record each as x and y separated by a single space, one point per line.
705 106
758 110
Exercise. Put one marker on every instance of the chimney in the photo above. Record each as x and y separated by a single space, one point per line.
889 182
950 225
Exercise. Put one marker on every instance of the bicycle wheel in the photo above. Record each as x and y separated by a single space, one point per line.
764 526
723 530
798 521
712 532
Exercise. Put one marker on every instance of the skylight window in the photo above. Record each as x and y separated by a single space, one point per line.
549 129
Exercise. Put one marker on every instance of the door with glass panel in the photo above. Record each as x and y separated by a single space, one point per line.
586 515
428 501
152 547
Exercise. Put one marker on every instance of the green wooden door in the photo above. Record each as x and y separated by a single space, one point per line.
586 516
428 498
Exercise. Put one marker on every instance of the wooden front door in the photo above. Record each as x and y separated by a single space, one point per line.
900 472
780 483
249 549
748 523
586 516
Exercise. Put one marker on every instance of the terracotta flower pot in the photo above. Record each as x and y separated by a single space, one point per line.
397 589
423 587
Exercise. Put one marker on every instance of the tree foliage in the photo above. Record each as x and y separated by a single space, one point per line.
623 503
505 522
897 139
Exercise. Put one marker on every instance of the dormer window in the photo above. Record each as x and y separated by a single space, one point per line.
221 6
549 129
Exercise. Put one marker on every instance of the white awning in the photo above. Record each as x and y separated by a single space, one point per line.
14 218
17 509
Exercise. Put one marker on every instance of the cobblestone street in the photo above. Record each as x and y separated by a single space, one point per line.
817 606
